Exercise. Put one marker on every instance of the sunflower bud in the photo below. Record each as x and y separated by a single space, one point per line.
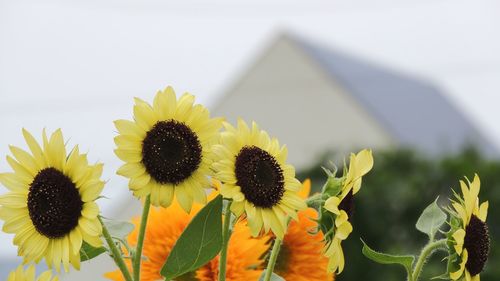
333 185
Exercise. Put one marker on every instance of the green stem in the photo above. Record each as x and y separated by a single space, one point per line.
140 240
226 234
115 253
426 253
272 260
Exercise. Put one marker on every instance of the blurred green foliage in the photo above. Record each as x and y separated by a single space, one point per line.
393 195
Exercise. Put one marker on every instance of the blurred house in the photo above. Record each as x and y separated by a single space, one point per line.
316 99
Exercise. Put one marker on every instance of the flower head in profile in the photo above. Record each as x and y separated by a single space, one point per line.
167 149
301 256
29 275
469 238
244 254
257 178
50 205
338 208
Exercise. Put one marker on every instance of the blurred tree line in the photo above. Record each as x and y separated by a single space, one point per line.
393 195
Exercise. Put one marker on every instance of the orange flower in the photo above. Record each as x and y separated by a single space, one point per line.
301 256
165 225
245 258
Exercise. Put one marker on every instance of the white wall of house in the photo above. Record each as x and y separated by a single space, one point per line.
292 98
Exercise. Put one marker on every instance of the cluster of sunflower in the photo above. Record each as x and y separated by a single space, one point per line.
220 203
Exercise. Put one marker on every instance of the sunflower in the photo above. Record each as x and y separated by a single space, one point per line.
29 275
300 257
167 149
341 204
50 205
469 236
257 178
244 254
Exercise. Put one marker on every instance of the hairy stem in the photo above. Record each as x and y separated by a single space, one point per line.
427 252
115 252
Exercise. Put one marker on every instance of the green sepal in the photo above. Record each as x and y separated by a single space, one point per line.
332 186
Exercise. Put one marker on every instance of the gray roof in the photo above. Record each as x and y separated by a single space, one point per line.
415 112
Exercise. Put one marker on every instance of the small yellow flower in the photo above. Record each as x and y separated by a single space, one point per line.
342 204
50 205
167 149
257 178
470 236
29 275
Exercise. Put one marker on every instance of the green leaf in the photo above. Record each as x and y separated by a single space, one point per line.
119 229
404 260
274 277
88 252
200 242
431 220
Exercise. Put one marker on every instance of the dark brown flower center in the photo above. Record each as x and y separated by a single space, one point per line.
54 203
347 204
260 177
477 243
171 152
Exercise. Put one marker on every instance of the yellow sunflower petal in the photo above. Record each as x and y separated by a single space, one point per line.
76 240
21 172
459 236
131 170
25 159
166 196
144 116
184 106
186 201
56 154
332 205
483 211
131 156
165 103
129 128
457 274
35 148
14 183
14 200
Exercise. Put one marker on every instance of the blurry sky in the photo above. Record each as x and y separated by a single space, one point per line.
77 64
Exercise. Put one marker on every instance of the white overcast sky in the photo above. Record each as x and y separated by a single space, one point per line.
77 64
